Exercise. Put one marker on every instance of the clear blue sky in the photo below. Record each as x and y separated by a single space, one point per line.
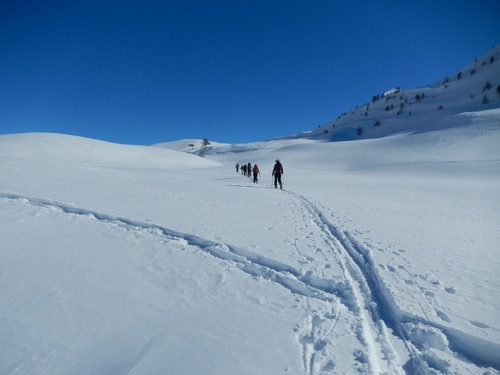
150 71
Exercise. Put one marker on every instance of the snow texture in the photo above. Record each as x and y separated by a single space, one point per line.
379 256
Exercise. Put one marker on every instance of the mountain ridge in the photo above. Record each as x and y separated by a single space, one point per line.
473 88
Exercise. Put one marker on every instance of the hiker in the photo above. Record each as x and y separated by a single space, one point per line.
277 172
249 170
255 173
244 170
237 167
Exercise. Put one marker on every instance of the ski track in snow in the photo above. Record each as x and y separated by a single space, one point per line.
372 295
361 293
253 264
378 354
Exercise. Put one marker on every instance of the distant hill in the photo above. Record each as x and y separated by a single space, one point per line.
437 106
473 88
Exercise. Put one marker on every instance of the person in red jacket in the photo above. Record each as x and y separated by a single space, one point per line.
256 172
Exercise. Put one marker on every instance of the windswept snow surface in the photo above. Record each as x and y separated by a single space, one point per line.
378 257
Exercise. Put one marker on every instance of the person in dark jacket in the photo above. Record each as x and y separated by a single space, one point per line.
256 172
277 172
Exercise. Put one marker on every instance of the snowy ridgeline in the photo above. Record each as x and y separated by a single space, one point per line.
475 87
379 257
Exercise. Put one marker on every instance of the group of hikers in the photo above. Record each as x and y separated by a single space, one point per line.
249 170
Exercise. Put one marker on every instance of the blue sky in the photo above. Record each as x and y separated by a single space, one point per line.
150 71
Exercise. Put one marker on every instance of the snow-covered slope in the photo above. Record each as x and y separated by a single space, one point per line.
379 257
83 151
473 88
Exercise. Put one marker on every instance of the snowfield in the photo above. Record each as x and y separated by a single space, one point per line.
380 256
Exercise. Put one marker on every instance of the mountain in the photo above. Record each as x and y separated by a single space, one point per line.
440 105
475 87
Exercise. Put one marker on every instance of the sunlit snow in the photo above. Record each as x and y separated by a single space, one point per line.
379 256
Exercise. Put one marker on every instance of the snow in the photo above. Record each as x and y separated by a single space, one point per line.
380 256
417 109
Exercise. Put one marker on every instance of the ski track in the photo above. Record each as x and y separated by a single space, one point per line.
362 293
373 296
378 354
254 264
